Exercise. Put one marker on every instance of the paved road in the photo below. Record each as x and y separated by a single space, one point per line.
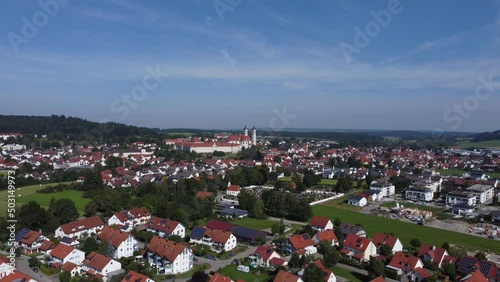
288 222
23 266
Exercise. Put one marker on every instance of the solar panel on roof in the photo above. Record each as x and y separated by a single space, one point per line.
306 236
197 232
22 233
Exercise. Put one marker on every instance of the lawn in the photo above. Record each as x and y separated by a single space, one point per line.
349 275
342 203
44 199
457 171
255 223
493 144
323 181
196 268
24 191
231 271
407 231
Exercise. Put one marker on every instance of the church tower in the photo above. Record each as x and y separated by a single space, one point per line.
254 136
245 131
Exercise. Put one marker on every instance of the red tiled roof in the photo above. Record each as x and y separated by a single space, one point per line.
404 261
61 251
319 221
284 276
47 245
82 224
220 225
220 278
96 261
164 225
165 249
234 188
218 236
133 276
16 276
424 273
378 279
113 236
360 244
264 252
384 239
204 194
436 254
68 266
301 241
277 261
327 235
30 237
475 276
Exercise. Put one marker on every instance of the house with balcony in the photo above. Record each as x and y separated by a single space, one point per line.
348 229
168 257
387 189
62 254
326 236
78 228
433 254
457 197
122 243
301 244
99 266
420 194
164 227
30 241
320 223
263 255
359 248
131 218
133 276
218 240
483 193
404 263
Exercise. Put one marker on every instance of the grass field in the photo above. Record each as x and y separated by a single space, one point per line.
323 181
407 231
493 144
29 192
349 275
44 199
342 204
249 277
255 223
457 171
435 210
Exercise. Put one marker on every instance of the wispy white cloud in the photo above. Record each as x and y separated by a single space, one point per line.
280 19
228 57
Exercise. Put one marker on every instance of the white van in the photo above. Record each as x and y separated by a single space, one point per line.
243 268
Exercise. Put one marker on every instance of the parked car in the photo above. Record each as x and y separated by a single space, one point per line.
35 269
210 257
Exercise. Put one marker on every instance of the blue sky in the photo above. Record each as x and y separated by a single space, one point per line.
232 63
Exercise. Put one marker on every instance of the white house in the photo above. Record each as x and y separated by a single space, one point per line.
96 264
263 255
29 240
233 190
419 194
168 257
328 275
165 228
218 240
72 268
123 243
455 198
483 193
62 254
5 267
404 263
320 223
301 244
360 248
131 218
387 189
80 227
357 200
385 239
326 236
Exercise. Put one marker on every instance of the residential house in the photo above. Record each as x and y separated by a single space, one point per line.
326 236
483 193
123 244
462 209
432 253
284 276
455 198
360 248
263 255
63 253
29 240
17 276
357 200
80 227
495 216
421 274
419 194
165 228
385 239
131 218
301 244
320 223
46 247
218 240
404 263
467 265
72 268
168 257
6 267
387 189
233 190
348 229
100 266
246 234
217 277
133 276
474 276
328 275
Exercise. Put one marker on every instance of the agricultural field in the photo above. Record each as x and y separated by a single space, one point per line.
493 144
28 193
250 277
457 171
254 223
407 231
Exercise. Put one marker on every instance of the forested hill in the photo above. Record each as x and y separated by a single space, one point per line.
487 136
61 127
